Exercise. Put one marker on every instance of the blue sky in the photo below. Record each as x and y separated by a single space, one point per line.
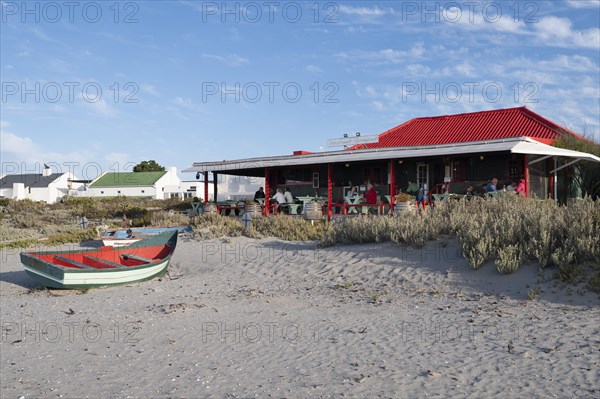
98 86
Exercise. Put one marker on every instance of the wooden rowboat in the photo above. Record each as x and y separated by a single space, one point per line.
122 237
104 266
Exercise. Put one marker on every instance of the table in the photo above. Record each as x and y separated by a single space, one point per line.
354 201
294 208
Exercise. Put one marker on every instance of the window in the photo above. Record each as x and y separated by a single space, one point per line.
143 191
101 192
119 192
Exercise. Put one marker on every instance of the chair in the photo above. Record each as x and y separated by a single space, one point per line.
440 197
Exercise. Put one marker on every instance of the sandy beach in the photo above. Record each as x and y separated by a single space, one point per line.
240 317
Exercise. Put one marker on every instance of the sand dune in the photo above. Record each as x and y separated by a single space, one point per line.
266 318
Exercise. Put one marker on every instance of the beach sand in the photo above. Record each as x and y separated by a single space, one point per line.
265 318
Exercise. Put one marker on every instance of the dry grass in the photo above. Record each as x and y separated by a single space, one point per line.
508 232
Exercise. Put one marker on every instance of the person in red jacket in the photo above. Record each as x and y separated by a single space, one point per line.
521 188
371 195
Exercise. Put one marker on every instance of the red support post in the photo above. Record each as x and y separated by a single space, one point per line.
267 192
526 160
205 187
392 185
329 191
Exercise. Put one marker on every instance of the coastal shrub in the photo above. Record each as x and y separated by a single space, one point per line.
168 218
27 220
11 233
290 229
509 258
65 237
213 225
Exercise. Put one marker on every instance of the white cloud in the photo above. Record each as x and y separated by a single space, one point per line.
365 11
24 150
100 107
146 88
556 31
229 59
183 102
584 3
377 105
313 69
119 158
386 56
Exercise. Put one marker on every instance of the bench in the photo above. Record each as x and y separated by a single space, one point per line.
72 262
103 263
135 257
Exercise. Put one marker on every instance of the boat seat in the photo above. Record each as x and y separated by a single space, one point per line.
135 257
104 262
72 262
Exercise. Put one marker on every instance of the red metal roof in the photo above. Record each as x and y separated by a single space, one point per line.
474 126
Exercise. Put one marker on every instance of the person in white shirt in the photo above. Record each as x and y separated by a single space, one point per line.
289 198
279 197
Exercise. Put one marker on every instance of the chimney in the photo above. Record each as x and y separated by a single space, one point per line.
47 171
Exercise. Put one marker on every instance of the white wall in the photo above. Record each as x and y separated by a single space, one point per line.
164 185
50 194
137 191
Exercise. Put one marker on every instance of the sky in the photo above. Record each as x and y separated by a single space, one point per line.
100 86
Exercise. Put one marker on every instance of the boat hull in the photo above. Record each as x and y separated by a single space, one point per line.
123 237
96 279
107 266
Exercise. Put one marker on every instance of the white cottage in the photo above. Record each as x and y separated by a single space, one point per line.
135 184
47 186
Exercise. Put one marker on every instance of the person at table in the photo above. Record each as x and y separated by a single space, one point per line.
280 200
260 194
289 198
413 188
470 193
491 186
512 187
371 195
353 192
521 188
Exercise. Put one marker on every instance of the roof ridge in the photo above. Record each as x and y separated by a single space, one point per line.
471 114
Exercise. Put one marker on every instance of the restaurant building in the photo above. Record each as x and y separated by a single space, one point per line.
440 154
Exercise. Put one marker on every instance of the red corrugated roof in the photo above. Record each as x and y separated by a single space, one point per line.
474 126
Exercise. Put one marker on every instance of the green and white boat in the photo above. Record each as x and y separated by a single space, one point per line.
104 266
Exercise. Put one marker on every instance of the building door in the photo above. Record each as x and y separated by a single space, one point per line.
423 176
459 170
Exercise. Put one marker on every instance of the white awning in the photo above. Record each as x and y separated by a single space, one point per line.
518 145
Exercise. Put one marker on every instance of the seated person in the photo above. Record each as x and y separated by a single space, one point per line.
289 198
279 197
353 192
521 188
491 186
412 188
470 193
371 195
260 194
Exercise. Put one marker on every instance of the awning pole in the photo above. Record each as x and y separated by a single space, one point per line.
215 191
555 179
206 187
329 191
526 161
267 192
392 185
